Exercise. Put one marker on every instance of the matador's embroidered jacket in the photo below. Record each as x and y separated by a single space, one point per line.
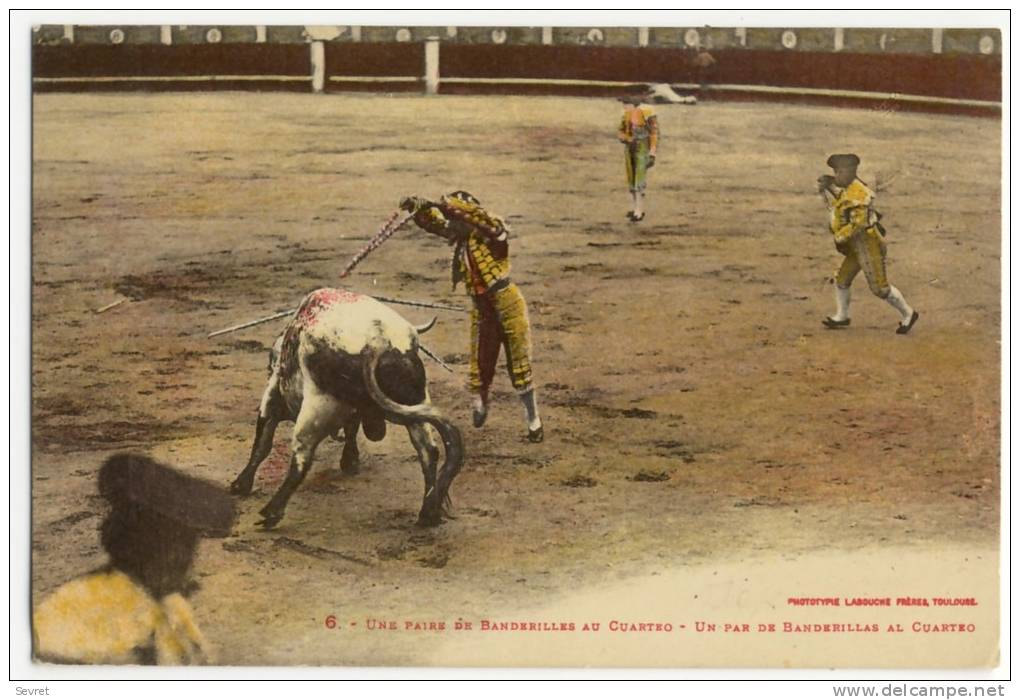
481 258
639 123
853 211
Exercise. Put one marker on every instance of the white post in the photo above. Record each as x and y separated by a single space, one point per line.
642 36
936 40
837 41
546 35
356 33
741 34
260 35
318 66
166 35
69 32
432 65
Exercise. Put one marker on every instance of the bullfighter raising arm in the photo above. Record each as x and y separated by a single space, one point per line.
499 317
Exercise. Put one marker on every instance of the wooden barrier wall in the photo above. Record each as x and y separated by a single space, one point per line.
969 83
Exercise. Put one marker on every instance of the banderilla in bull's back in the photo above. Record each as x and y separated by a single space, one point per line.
392 225
291 312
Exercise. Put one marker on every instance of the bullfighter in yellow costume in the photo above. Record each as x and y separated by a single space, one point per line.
134 610
639 133
499 317
860 237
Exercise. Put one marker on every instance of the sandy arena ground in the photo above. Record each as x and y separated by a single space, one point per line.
698 416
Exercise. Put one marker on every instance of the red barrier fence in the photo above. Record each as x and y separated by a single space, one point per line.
379 67
950 76
955 82
155 67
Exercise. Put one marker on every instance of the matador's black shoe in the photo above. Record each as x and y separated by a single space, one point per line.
904 328
832 324
630 215
536 435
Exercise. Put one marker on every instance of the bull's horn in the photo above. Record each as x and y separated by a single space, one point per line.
426 327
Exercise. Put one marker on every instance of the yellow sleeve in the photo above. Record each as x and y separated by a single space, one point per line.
622 133
857 219
855 203
489 226
431 219
653 133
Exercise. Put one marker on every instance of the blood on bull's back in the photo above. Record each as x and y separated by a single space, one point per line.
328 334
345 321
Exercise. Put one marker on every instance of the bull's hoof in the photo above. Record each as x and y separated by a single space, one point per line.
429 519
447 509
349 466
268 522
241 487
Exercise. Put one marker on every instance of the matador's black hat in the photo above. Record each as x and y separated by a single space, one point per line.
840 160
136 481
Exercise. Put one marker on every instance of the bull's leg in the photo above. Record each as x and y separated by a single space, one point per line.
438 501
432 507
428 455
269 417
320 417
350 457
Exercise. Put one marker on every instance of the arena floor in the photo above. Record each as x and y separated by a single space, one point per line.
698 417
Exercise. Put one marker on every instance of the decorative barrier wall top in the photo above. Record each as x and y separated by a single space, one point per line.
855 40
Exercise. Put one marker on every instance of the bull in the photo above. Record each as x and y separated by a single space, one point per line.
346 360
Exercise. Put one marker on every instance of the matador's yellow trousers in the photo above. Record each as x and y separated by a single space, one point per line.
500 319
865 251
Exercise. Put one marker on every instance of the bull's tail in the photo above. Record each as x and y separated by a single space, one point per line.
453 443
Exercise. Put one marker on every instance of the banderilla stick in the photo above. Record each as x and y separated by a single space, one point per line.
288 312
423 304
110 306
434 357
392 225
249 324
266 319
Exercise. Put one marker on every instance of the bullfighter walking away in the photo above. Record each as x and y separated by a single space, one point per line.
499 317
133 610
639 133
859 235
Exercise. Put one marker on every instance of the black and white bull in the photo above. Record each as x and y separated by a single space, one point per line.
346 360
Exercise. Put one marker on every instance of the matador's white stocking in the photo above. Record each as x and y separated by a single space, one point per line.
897 301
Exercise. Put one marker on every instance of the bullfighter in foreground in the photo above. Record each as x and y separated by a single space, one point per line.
639 133
133 610
499 316
859 235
